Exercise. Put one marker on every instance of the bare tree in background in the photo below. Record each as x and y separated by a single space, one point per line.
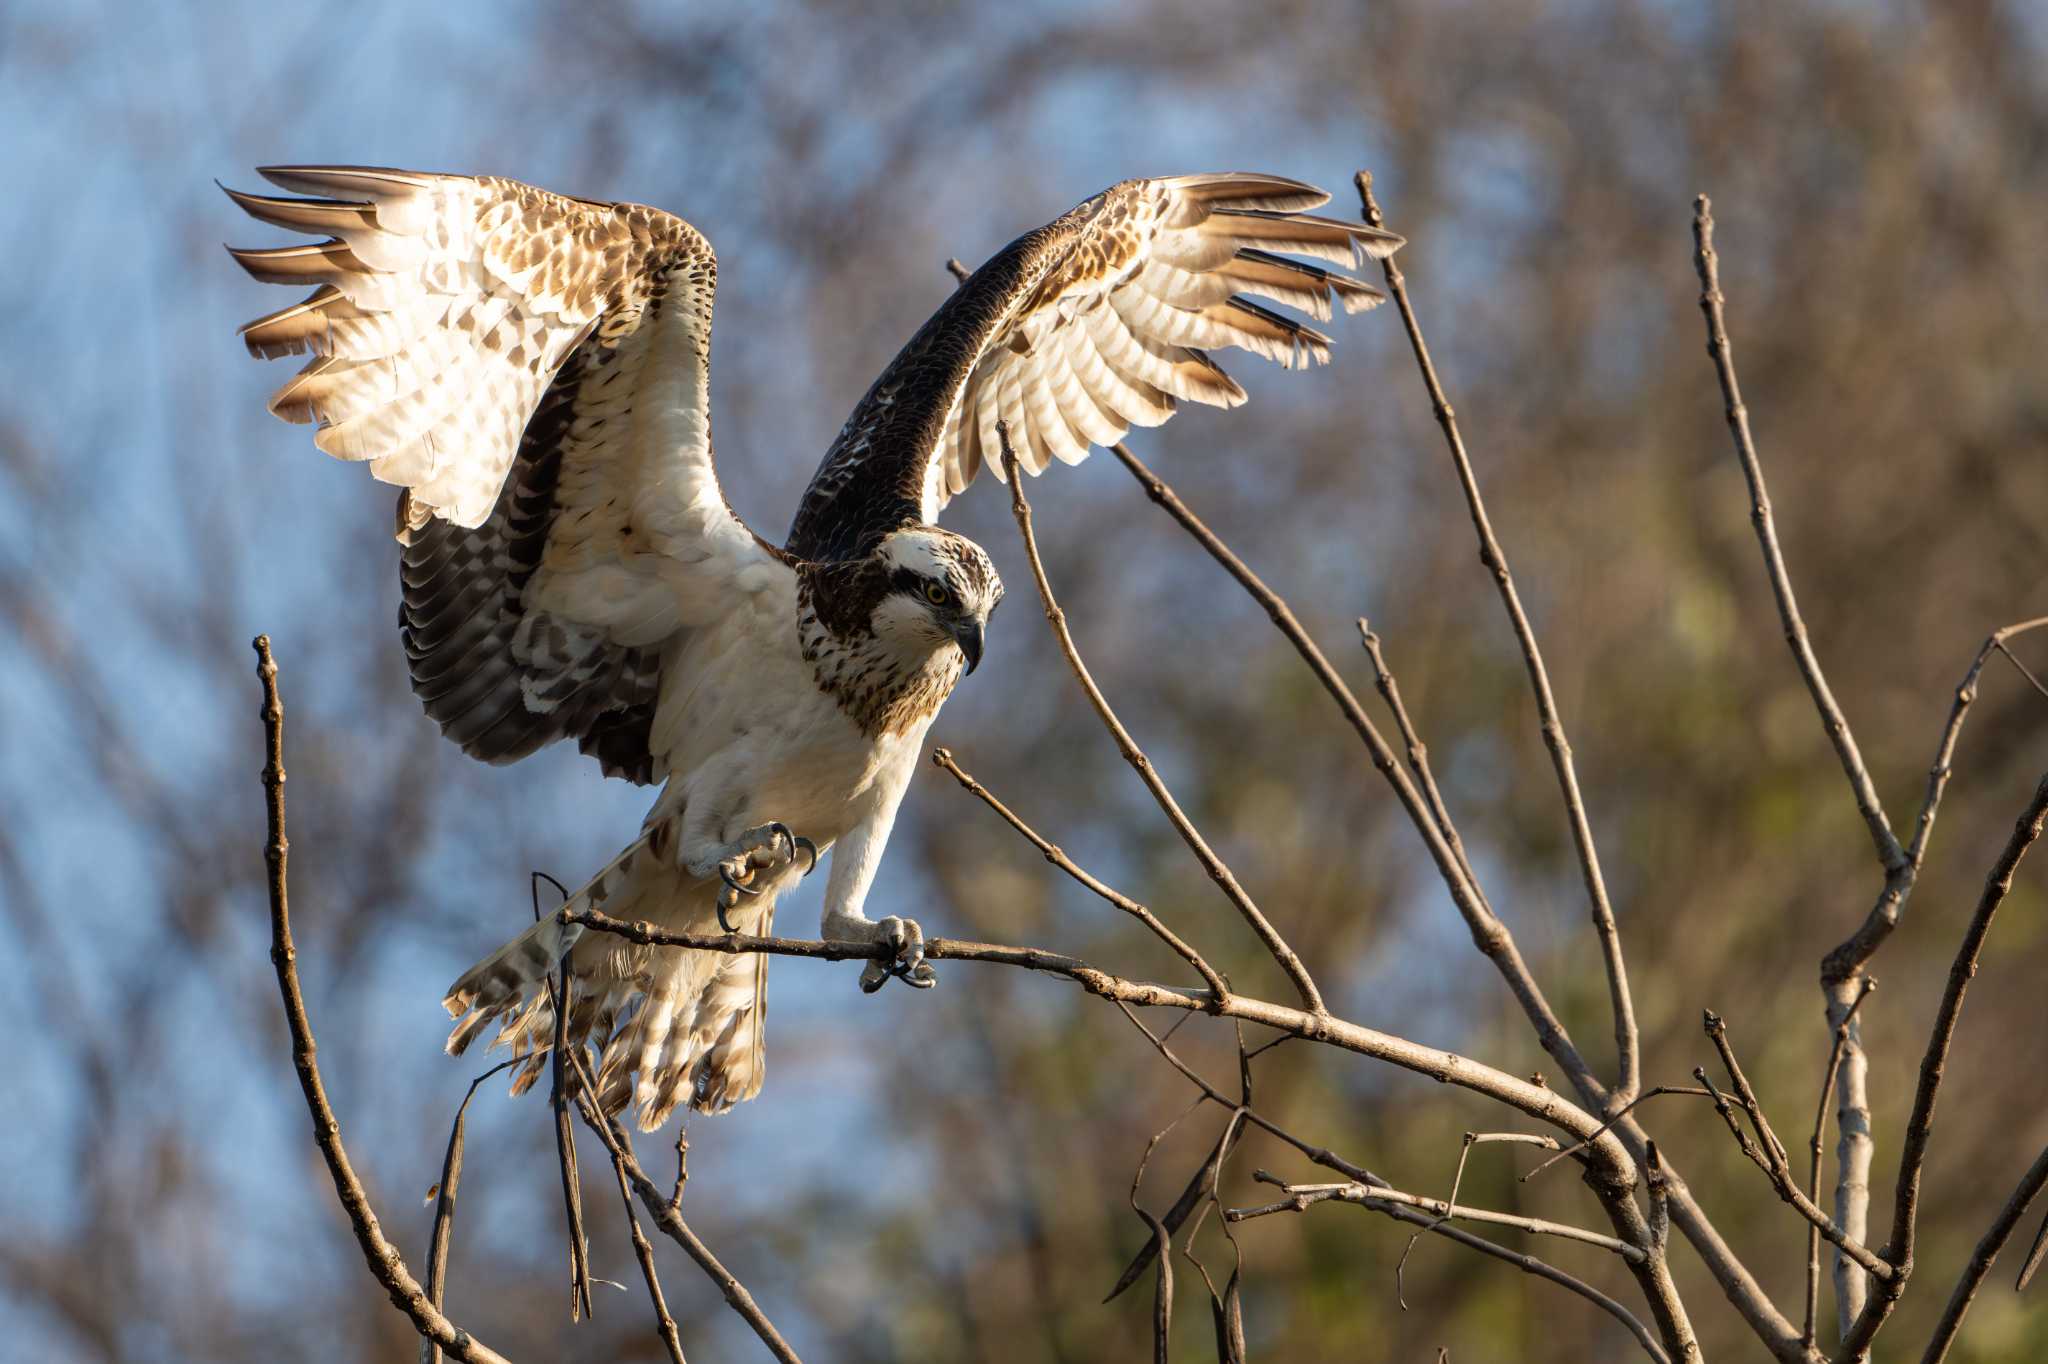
1880 173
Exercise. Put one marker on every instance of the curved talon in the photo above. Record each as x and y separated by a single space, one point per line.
725 875
776 826
723 922
809 849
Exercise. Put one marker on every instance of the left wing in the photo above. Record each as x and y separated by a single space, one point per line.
533 369
1074 333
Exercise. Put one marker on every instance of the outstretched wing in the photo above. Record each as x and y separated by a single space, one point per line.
533 371
1072 334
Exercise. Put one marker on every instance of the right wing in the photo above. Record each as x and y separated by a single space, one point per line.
533 370
1069 336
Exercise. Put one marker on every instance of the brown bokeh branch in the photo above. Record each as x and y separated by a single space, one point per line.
1627 1038
1275 945
943 758
382 1257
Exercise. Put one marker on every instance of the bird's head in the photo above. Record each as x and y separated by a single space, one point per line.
941 589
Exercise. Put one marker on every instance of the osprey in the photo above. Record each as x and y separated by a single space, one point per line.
533 371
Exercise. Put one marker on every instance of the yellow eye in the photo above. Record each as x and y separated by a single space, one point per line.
935 594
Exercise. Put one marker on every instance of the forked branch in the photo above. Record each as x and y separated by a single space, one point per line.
382 1257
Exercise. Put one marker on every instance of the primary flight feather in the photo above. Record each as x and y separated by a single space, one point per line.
533 371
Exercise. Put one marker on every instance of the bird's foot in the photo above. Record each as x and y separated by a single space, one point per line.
768 847
905 941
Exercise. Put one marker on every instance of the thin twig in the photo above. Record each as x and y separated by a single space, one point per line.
1276 945
1319 1154
1781 1180
619 1145
1528 1264
565 1147
1626 1037
1707 263
382 1257
1933 1065
1457 1181
1983 1257
444 1206
1302 1196
1418 751
944 758
1654 1092
643 1251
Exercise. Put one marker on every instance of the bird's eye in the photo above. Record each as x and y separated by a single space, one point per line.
936 594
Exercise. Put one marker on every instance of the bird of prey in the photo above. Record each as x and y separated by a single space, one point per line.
532 370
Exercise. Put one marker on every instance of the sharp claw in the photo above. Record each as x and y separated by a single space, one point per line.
776 826
725 875
809 849
723 922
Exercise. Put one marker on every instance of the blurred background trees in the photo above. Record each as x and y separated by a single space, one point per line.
1880 173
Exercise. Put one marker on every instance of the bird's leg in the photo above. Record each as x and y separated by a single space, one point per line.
904 937
765 847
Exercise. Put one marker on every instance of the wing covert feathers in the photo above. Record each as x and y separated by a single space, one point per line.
442 308
1100 321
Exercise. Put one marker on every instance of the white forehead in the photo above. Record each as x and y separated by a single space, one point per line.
923 553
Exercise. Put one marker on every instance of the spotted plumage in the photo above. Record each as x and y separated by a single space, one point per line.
532 371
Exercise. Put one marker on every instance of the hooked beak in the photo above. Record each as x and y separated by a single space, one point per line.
968 636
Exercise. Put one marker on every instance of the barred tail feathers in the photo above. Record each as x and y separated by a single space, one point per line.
673 1026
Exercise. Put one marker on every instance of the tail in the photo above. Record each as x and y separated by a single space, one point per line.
672 1025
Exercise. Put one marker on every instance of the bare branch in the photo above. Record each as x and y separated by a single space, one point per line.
443 1195
643 1251
1877 925
1837 725
944 758
1489 934
383 1258
565 1148
1276 945
1983 1257
1531 1099
668 1216
1626 1038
